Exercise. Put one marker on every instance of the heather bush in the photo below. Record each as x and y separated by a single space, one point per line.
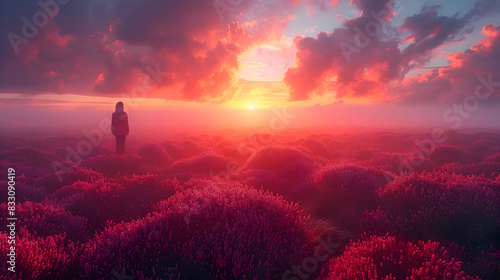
488 170
345 191
204 163
138 194
444 207
445 154
213 231
154 154
10 143
39 257
393 143
191 147
67 176
494 158
24 192
43 220
173 149
123 199
111 165
229 149
27 155
267 179
273 157
483 147
32 171
316 148
391 258
364 154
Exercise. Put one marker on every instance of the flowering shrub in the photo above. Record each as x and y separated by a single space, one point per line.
43 220
444 154
24 192
391 258
488 170
27 155
111 165
51 182
191 148
204 163
39 257
138 194
120 200
154 154
345 191
272 157
229 149
444 207
267 179
227 231
316 148
32 171
173 149
494 158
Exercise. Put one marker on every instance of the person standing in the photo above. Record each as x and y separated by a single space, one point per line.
119 127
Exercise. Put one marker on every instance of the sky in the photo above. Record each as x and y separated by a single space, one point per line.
230 63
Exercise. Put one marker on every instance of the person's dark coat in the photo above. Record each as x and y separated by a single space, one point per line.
119 123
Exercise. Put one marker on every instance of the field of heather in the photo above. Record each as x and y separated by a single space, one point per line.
317 206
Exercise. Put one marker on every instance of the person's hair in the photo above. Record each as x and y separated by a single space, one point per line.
119 105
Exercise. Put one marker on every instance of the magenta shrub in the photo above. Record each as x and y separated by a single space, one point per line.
213 231
123 199
343 191
27 155
67 176
111 165
444 207
191 148
494 158
391 258
229 149
316 148
445 154
32 171
488 170
204 163
39 257
273 157
267 179
42 220
24 192
154 154
173 149
349 177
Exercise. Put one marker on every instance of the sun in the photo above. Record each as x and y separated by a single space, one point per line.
252 107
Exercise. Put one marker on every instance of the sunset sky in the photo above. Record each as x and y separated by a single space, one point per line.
228 63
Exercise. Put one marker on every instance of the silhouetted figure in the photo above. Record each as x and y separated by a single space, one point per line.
119 127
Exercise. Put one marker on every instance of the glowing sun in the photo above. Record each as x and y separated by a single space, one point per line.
252 107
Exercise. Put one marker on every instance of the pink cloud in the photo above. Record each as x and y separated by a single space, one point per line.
362 59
